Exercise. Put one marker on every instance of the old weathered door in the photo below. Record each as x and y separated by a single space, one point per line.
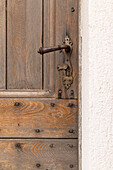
38 93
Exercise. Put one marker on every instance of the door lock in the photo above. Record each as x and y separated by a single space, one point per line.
67 67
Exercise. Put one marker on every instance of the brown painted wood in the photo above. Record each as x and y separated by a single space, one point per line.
23 117
2 44
24 68
38 154
60 20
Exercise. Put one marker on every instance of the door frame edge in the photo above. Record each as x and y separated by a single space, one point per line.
80 85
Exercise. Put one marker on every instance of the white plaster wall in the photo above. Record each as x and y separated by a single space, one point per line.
97 84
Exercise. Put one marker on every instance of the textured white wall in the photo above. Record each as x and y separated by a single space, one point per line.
97 84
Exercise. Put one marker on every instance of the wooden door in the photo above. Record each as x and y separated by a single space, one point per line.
38 114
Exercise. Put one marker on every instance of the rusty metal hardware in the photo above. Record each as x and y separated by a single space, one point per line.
64 67
43 50
71 131
38 165
18 124
67 67
71 105
52 104
51 146
71 166
70 145
17 104
18 145
72 9
37 130
59 94
72 94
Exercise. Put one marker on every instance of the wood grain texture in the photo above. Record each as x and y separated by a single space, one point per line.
53 120
26 154
59 22
49 40
34 93
24 22
2 44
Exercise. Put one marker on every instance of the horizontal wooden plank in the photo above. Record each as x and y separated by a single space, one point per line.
43 154
26 93
47 118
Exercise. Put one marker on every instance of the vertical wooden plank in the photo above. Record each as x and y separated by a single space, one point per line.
49 40
61 20
67 24
2 44
24 38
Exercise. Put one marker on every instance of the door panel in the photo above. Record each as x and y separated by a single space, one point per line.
2 44
38 154
61 19
38 125
24 33
44 118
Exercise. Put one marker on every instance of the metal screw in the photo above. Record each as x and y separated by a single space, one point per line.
59 94
72 9
17 104
71 131
52 104
37 130
51 146
18 145
72 94
71 146
71 166
63 42
72 91
38 165
60 91
70 105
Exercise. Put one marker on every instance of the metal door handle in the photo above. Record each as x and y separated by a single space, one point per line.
43 50
67 67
